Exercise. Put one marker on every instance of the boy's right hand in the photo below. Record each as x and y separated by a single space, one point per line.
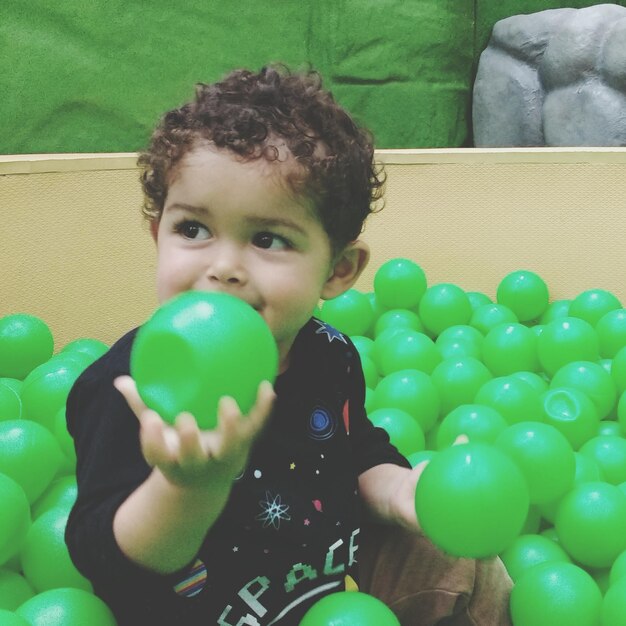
188 456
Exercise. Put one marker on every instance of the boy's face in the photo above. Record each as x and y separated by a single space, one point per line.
234 227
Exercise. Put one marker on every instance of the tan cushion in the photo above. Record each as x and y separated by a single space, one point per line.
424 586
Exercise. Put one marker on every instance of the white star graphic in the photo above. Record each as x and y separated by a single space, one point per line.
330 332
273 511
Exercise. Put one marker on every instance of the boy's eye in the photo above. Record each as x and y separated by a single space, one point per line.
270 241
192 230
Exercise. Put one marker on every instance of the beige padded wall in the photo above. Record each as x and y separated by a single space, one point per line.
74 249
76 253
471 216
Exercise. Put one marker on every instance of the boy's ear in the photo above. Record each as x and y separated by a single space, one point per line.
347 267
154 229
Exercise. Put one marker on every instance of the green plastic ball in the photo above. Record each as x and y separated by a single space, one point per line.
572 413
536 381
93 348
513 398
609 452
525 293
609 427
477 298
510 348
419 457
565 340
592 304
593 380
412 391
65 441
370 372
66 607
376 307
13 383
478 422
611 330
555 310
14 590
397 319
46 388
529 550
30 455
14 518
601 576
543 455
618 370
471 500
364 345
533 522
10 403
61 494
198 347
9 618
458 380
442 306
621 412
45 560
25 343
369 400
587 471
349 608
618 569
460 341
431 437
555 593
550 533
407 349
403 430
537 328
488 316
607 364
351 312
399 284
591 523
614 604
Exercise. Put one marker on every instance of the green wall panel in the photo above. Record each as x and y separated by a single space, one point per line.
94 75
404 68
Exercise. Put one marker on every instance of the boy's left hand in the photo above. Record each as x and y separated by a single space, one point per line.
389 491
188 456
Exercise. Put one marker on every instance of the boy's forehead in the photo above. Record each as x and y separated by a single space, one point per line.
281 164
278 175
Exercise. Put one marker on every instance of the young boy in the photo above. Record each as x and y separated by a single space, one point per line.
258 188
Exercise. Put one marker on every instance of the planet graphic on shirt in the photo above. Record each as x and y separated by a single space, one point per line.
322 424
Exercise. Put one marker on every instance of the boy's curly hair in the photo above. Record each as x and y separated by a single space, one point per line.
244 112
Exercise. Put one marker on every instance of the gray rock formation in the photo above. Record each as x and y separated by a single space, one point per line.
553 78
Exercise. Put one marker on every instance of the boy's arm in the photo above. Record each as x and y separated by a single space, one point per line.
162 524
388 492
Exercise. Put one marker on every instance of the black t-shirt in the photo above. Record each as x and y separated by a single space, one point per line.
290 529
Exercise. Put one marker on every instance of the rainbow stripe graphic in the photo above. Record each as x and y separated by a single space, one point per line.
195 581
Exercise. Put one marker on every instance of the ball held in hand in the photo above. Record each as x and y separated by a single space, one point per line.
198 347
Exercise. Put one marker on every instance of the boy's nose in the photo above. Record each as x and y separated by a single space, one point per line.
227 266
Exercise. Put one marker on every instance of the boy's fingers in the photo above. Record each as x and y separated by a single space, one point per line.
229 415
158 448
262 408
190 451
127 387
461 439
419 468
